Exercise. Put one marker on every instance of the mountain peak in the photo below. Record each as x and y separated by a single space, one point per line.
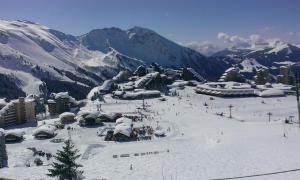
140 30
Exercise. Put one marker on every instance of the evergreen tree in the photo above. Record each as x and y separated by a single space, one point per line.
65 167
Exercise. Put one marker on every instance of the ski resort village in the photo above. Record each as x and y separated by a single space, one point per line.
149 90
158 123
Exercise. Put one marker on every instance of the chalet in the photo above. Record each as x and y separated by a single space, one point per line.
14 136
124 130
67 117
90 119
159 133
44 132
60 102
109 117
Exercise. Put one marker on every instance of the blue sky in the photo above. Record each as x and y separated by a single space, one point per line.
179 20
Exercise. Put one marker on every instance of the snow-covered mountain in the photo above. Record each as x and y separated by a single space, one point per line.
232 52
268 55
34 54
148 46
44 59
280 53
272 57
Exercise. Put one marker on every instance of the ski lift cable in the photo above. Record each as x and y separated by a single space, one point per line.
256 175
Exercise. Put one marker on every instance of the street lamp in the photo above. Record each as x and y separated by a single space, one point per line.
269 114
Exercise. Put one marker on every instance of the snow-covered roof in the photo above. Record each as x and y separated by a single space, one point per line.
66 114
6 107
118 93
124 120
178 84
142 81
49 129
159 132
225 85
225 88
64 95
230 69
272 92
279 86
61 95
124 129
140 94
51 101
3 102
15 132
109 115
31 96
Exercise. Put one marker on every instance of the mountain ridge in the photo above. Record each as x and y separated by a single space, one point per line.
48 55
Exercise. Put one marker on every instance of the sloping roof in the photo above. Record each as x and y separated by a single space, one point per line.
15 132
51 101
3 102
124 120
145 79
66 114
141 94
48 129
124 129
64 95
109 115
272 92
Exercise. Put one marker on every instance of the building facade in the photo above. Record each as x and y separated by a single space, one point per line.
283 76
232 74
60 103
17 112
262 76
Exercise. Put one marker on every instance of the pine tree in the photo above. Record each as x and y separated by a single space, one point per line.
65 167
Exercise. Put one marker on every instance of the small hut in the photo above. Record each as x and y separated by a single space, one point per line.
123 132
124 120
44 132
14 136
109 117
159 133
67 117
90 119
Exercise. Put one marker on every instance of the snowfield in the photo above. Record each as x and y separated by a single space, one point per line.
199 145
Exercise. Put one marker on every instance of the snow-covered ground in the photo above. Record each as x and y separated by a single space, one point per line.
200 144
